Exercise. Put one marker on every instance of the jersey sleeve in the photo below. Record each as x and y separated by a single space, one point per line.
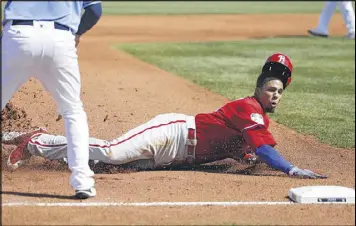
258 136
251 123
89 3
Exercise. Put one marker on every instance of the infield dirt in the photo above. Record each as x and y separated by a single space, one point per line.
129 92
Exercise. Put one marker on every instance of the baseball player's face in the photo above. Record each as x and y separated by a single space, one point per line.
270 94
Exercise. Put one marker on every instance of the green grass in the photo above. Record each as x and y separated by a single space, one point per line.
210 7
213 7
320 100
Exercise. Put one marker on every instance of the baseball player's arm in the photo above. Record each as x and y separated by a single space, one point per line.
275 160
92 14
262 141
254 131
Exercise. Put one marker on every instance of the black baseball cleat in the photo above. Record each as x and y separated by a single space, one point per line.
314 33
84 194
350 36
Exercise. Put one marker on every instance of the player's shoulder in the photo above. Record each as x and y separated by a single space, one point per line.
244 105
253 110
247 103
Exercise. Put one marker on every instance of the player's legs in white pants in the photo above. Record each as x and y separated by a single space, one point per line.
17 62
50 55
162 139
348 14
61 77
325 16
54 147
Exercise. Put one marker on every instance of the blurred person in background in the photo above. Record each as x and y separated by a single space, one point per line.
348 14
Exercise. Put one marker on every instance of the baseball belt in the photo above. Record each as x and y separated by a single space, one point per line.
191 143
30 23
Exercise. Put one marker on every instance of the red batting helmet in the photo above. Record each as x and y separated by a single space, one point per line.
279 65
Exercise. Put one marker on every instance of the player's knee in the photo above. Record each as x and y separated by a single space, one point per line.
75 109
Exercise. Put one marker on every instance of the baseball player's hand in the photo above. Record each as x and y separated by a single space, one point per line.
305 173
77 40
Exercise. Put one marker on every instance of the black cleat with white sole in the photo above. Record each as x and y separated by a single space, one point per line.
85 194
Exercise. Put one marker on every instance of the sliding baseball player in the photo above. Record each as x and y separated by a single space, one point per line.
178 139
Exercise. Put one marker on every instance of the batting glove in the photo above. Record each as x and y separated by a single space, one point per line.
305 174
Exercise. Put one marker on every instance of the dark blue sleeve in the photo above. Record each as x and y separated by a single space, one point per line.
273 158
90 17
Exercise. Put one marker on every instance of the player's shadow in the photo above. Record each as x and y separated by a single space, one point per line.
36 195
283 36
216 167
251 170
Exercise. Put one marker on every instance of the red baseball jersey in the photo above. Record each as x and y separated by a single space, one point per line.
231 129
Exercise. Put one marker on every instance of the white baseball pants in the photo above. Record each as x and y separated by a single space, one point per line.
347 11
50 56
162 139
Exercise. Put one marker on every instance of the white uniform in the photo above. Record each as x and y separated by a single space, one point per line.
163 139
348 14
38 40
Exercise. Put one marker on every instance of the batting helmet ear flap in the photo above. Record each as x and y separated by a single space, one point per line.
289 80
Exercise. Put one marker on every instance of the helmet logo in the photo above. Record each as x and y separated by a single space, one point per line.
281 59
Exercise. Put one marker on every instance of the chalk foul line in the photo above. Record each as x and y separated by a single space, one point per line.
135 204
